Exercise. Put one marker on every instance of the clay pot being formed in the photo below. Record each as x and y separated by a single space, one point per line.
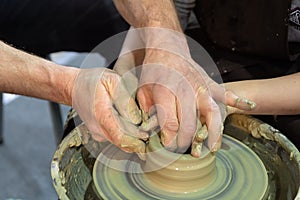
164 168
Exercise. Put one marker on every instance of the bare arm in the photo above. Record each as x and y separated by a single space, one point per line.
149 13
90 91
277 96
25 74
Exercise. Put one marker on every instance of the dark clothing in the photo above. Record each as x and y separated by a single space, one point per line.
258 27
45 26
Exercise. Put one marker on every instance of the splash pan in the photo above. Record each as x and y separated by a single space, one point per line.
245 168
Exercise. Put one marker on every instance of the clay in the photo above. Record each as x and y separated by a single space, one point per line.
245 103
231 175
164 168
253 126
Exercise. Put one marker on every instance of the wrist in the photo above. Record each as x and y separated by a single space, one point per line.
173 25
64 83
166 40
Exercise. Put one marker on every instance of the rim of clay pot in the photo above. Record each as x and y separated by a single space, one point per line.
155 147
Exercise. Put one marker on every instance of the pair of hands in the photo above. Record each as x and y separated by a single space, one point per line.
174 95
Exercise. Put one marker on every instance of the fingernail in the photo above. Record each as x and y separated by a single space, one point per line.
196 149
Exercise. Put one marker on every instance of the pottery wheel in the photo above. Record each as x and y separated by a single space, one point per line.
240 174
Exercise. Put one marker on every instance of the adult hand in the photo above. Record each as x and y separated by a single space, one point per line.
177 88
105 106
181 91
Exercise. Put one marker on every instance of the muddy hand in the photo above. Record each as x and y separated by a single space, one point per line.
180 90
174 85
105 106
238 104
198 140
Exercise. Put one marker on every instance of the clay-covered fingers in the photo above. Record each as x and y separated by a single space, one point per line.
118 130
117 111
212 115
107 109
134 130
165 103
214 104
124 103
237 102
219 93
133 145
200 136
126 68
173 97
150 124
83 99
176 116
230 99
187 115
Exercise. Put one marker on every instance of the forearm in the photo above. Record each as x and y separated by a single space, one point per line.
160 23
25 74
278 96
149 13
